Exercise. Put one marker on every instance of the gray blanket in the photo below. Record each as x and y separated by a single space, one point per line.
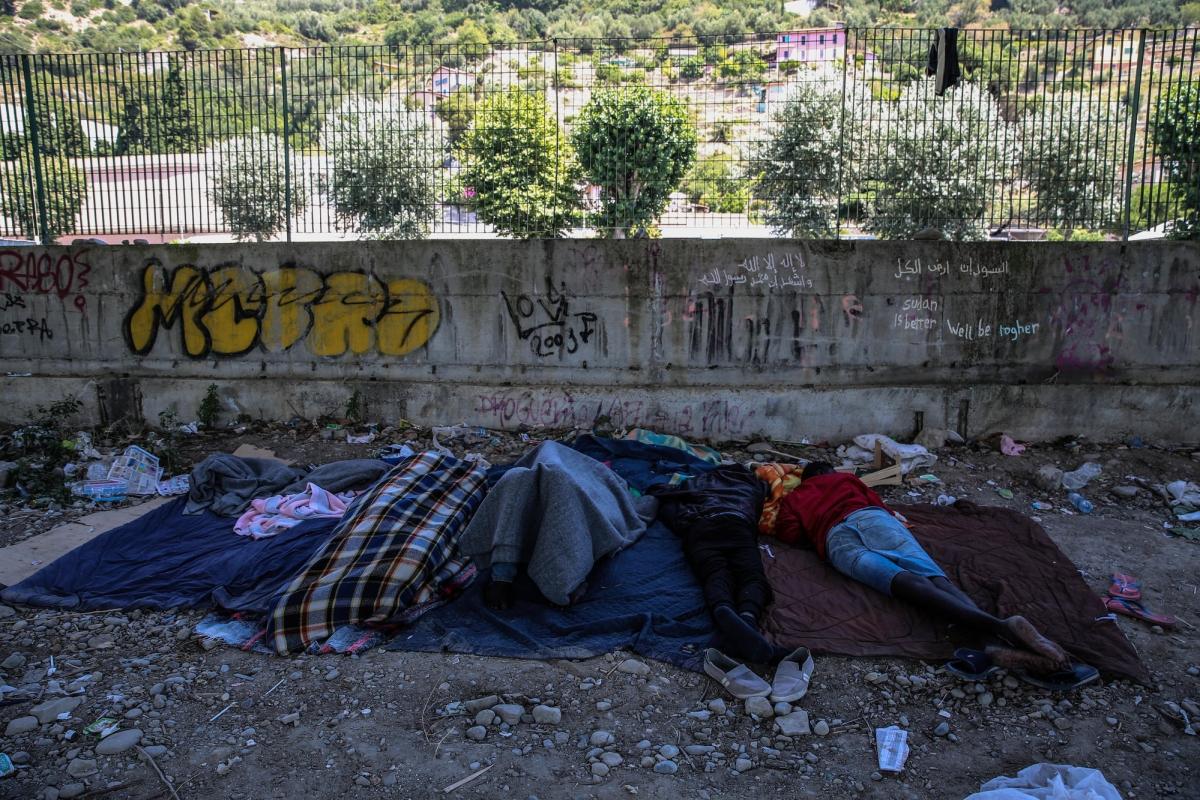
225 484
558 512
355 474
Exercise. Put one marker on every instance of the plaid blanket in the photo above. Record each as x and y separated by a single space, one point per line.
394 549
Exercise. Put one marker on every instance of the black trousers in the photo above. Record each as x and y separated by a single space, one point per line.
723 552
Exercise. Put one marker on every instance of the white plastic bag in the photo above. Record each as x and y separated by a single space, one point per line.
1049 782
910 456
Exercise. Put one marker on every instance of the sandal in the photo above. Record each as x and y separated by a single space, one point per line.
971 665
738 679
1062 681
1133 608
792 676
1125 586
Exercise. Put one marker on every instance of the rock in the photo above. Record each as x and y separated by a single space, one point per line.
782 709
632 666
647 761
985 699
154 751
509 712
821 728
667 767
68 790
603 705
81 767
668 751
118 742
1125 492
14 661
332 674
1111 720
478 733
6 611
942 729
21 725
600 769
1193 671
48 712
479 704
133 713
717 706
1062 723
759 708
290 719
101 642
698 749
794 724
547 715
743 764
1048 478
612 759
601 739
875 677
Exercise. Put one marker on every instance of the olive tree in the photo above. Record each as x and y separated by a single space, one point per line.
636 144
250 187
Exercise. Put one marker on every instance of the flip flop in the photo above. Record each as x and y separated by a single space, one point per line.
971 665
1062 681
792 676
1132 608
1125 586
738 679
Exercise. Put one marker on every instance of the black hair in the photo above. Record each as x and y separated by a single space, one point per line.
814 468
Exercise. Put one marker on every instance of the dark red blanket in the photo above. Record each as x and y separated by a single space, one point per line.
1001 558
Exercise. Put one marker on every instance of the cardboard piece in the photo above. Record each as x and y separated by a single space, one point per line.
19 561
250 451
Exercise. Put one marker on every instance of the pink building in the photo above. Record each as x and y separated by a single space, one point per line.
811 45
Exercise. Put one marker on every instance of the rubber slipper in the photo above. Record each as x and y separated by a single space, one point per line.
1132 608
738 679
971 665
792 676
1062 681
1125 586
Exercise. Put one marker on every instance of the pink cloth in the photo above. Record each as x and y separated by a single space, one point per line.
268 516
1010 447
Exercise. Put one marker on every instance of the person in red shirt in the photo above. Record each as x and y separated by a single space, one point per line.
849 525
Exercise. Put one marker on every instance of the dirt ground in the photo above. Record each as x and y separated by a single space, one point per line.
221 723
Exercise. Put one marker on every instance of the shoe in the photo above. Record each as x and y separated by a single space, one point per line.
738 679
792 676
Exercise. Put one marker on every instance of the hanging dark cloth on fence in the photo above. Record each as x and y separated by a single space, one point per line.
943 60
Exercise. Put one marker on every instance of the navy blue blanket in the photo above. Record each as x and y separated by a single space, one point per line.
644 599
166 559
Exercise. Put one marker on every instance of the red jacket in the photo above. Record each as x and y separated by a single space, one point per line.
820 503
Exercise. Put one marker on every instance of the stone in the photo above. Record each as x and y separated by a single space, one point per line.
743 764
632 666
547 715
667 767
118 742
942 729
81 767
68 790
821 728
290 719
782 709
7 611
509 712
154 751
668 751
698 749
1193 671
717 706
601 739
21 725
759 707
794 724
133 713
1048 478
48 712
1111 720
612 759
477 733
1062 723
1125 492
600 769
14 661
485 717
603 705
480 703
985 699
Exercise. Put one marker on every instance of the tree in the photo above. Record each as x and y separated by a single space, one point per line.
1071 157
383 171
941 162
518 171
457 110
177 126
472 40
64 192
808 161
636 144
60 133
133 138
1175 131
250 185
743 67
713 184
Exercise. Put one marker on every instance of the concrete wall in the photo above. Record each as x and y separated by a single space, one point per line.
713 339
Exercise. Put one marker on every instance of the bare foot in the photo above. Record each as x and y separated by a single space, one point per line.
1011 658
1021 631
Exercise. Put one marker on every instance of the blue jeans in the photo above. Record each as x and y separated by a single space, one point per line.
873 547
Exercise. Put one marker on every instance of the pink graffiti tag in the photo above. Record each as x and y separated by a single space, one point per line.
30 271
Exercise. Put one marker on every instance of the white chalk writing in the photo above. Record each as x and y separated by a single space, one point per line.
924 266
771 271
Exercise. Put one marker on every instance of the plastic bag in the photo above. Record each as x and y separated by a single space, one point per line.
1076 480
1049 782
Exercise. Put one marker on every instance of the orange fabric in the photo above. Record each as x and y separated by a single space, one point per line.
782 479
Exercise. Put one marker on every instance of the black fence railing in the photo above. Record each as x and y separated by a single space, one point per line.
818 132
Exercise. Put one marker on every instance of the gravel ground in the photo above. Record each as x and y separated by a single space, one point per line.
222 723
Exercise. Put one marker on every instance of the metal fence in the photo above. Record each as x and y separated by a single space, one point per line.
833 132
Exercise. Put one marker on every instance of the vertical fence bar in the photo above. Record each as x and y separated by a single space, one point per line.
35 146
287 148
1133 117
847 60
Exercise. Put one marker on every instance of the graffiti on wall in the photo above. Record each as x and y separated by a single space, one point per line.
547 322
1086 318
231 310
63 275
769 271
561 409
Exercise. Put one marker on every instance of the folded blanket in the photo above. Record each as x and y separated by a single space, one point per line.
353 474
268 516
395 549
225 484
781 478
558 512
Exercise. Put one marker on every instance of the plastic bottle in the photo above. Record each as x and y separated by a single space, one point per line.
1081 503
